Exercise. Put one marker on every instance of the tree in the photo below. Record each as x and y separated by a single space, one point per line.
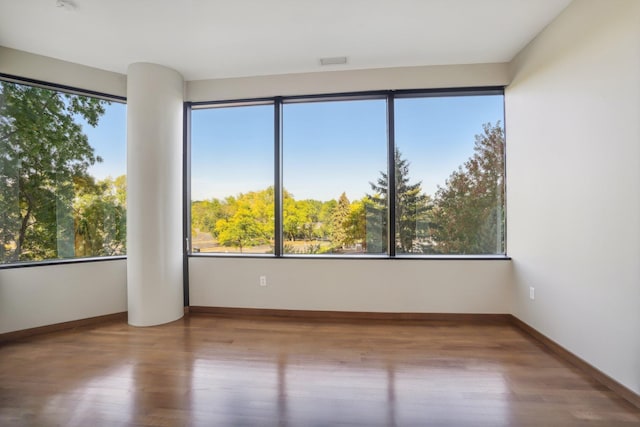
43 151
468 216
339 223
376 223
100 217
324 218
205 214
356 224
292 217
262 204
309 211
242 221
214 216
411 207
240 230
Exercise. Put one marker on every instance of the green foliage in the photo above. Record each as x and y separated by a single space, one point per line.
44 158
293 218
301 219
100 215
376 218
324 218
241 221
355 224
309 212
241 229
340 223
205 214
468 214
412 208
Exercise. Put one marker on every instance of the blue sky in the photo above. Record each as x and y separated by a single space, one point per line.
331 147
232 151
109 139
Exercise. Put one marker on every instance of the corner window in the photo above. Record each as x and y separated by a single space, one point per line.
62 175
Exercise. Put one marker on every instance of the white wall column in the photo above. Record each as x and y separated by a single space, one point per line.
155 96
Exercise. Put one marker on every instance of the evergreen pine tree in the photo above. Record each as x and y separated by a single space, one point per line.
411 207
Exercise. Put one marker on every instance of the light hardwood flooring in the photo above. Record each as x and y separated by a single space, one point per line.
208 370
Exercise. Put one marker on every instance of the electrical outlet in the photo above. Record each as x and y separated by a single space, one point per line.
532 292
263 280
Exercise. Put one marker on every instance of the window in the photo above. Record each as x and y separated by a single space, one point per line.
331 153
232 191
449 174
314 175
62 175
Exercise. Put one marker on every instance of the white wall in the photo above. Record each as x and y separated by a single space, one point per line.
50 70
410 286
441 76
573 168
44 295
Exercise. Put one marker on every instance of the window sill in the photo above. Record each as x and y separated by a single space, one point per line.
358 257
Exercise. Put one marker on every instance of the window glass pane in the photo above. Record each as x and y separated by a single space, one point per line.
449 175
232 197
334 165
62 175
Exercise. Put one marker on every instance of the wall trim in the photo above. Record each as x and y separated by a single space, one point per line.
350 315
90 321
604 379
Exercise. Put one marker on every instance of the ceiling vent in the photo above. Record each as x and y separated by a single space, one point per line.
336 60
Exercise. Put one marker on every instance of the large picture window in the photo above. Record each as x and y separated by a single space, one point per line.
232 188
396 174
449 174
62 175
331 151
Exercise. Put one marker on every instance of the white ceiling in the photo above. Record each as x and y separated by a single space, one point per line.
205 39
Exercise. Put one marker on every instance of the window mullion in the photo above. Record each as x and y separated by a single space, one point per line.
278 189
186 202
391 178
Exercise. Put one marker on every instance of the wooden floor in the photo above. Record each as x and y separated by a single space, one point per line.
224 371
